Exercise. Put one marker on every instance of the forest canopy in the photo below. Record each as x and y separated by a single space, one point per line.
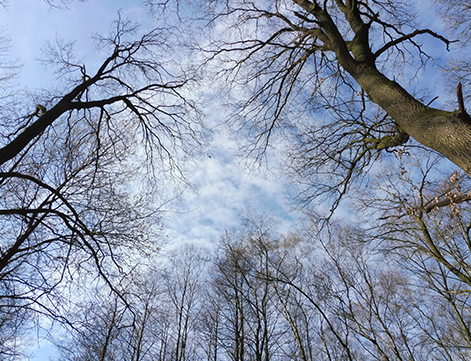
358 108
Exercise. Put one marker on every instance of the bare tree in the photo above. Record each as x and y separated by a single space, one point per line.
184 284
82 173
14 320
103 327
424 220
243 321
340 75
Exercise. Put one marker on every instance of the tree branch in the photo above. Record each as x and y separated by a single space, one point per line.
410 36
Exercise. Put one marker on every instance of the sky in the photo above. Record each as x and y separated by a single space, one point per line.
224 188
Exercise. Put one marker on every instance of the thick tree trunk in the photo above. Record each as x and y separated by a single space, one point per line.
448 133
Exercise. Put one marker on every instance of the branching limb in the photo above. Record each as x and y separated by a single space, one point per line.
388 141
459 95
410 36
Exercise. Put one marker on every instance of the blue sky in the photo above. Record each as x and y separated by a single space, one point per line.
224 187
30 24
223 181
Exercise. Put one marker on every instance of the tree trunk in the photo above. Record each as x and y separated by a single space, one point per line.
448 133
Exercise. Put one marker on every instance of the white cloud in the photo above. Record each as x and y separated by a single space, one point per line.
224 190
224 186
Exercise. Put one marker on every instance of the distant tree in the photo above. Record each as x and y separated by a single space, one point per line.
158 321
425 220
243 320
103 327
13 325
184 280
346 300
328 295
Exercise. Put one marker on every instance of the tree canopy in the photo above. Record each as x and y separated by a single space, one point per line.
365 103
346 75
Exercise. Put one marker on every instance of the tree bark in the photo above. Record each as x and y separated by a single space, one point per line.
448 133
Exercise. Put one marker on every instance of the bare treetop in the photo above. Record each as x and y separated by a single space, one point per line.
336 72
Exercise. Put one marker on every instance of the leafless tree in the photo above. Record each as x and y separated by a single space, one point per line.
342 76
184 284
83 169
13 326
424 220
244 320
158 321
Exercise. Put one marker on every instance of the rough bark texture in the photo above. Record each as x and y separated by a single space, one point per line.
448 133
